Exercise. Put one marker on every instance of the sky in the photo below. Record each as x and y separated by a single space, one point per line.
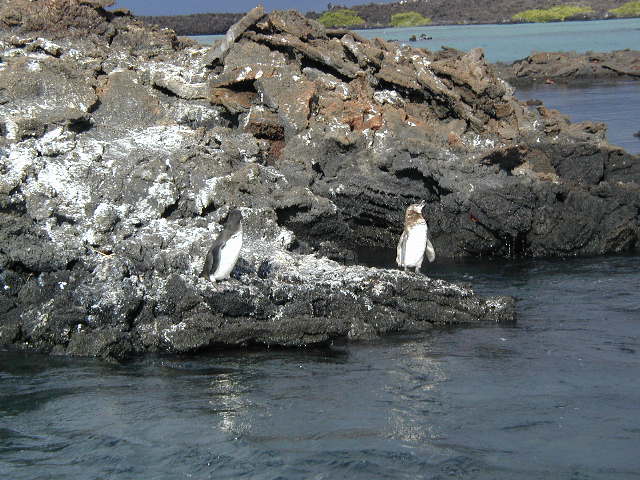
184 7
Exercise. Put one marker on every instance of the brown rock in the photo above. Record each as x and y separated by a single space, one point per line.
340 32
290 95
124 97
399 75
565 67
503 109
263 123
453 139
246 53
365 54
292 22
220 48
233 101
358 115
331 55
238 75
469 70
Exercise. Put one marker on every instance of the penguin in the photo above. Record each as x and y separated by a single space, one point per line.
414 241
224 252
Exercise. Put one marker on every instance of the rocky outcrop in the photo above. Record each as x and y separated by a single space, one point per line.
123 149
372 126
568 67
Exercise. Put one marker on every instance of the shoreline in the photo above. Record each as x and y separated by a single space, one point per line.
381 27
571 68
605 59
127 148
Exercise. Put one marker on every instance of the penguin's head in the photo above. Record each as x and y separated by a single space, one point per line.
417 207
414 212
234 218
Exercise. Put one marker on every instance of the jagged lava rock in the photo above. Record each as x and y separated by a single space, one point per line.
373 126
126 147
570 67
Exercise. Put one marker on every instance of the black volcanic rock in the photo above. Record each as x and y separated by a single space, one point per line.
569 67
372 126
118 163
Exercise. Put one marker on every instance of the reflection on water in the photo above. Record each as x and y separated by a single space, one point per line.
228 403
493 402
415 386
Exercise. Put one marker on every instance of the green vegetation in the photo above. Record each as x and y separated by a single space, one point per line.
340 18
629 9
558 13
409 19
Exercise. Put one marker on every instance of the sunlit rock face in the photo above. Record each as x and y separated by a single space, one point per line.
123 149
373 126
569 67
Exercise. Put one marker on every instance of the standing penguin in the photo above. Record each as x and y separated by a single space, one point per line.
224 252
414 239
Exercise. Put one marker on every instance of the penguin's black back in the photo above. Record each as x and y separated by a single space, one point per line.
231 227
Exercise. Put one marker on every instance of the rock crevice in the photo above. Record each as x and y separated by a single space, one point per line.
123 150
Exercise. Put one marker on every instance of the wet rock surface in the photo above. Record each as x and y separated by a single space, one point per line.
123 150
570 67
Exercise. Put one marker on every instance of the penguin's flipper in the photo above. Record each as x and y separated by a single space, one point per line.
431 253
402 248
212 260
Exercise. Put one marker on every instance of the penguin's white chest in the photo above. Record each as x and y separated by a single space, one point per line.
413 252
228 257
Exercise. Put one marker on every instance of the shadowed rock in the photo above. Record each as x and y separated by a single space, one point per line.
123 150
381 125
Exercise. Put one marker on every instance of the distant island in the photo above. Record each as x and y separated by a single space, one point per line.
408 13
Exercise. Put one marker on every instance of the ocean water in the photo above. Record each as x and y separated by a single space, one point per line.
555 396
506 43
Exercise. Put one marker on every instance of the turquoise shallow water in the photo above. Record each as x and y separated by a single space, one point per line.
506 43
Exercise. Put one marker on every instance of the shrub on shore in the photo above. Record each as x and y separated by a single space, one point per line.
341 18
558 13
629 9
409 19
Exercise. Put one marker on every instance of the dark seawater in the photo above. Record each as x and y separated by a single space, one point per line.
557 396
616 104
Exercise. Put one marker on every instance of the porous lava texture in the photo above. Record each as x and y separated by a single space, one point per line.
123 148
